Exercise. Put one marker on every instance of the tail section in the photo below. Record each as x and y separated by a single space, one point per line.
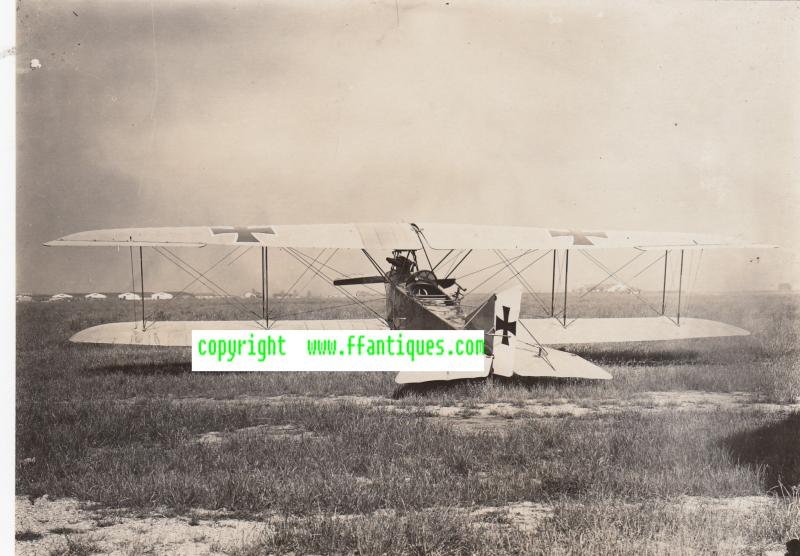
498 317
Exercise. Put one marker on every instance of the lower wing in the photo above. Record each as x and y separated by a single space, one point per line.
527 361
179 333
595 331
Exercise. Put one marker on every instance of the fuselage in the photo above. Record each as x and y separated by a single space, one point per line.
407 309
416 300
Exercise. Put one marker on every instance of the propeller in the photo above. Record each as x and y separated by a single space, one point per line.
443 282
360 280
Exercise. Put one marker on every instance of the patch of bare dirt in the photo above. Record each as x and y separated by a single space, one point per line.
289 432
526 516
736 504
66 522
477 416
55 524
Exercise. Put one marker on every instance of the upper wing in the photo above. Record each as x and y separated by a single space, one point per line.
179 333
458 236
395 236
336 236
644 329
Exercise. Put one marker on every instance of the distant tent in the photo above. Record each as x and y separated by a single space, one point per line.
606 288
128 296
23 297
161 295
60 297
251 295
94 296
621 288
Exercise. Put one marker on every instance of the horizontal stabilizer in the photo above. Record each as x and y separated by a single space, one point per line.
179 333
411 377
555 364
528 362
593 331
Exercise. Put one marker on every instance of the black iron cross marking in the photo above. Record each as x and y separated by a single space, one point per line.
578 237
244 234
507 327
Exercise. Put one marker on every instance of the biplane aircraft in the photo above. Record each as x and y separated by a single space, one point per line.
417 297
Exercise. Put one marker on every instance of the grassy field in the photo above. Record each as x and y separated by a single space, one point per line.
332 463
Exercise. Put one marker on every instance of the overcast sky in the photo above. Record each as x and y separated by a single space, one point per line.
677 117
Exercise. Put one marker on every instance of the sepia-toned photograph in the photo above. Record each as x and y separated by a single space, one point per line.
402 277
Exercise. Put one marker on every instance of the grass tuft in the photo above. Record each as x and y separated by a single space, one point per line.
27 536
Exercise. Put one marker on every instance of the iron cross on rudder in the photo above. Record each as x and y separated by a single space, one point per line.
578 237
244 234
504 325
